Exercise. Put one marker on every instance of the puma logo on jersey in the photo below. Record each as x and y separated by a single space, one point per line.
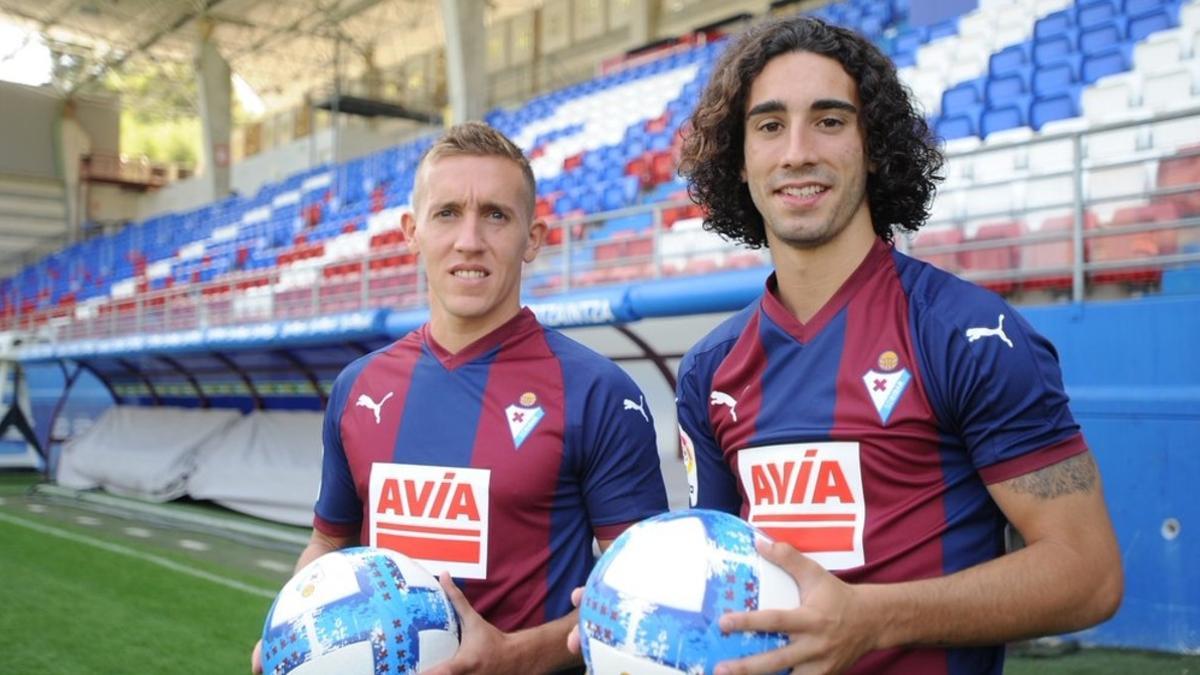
365 401
640 406
974 334
721 398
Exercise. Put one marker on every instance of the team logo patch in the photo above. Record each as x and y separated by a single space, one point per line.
809 495
435 515
523 417
886 387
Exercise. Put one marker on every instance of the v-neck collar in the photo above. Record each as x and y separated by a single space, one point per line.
806 331
523 322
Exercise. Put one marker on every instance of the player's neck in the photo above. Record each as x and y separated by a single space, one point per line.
809 277
456 333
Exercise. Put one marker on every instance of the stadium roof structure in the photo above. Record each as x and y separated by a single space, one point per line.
281 49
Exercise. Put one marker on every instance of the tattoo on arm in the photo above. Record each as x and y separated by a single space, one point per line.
1077 474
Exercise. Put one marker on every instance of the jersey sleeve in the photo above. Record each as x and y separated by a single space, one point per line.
711 483
621 479
999 387
338 511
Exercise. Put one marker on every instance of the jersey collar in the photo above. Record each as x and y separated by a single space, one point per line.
875 260
515 328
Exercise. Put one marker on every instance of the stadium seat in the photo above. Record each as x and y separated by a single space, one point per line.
1149 22
1049 262
1111 60
1095 12
1055 79
1179 176
1130 247
1012 59
1112 97
1052 107
1053 25
1006 116
936 237
1000 258
1160 51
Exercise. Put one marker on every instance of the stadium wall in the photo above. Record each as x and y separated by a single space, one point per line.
29 123
1134 383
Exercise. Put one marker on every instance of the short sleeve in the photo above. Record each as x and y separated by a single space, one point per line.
998 386
621 479
711 484
338 511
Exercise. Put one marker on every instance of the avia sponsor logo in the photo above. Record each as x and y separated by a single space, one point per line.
809 495
435 515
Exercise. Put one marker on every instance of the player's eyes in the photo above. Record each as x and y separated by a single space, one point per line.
770 127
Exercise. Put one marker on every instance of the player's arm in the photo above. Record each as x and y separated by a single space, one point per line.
320 543
1066 578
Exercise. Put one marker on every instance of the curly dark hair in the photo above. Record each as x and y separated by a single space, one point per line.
899 146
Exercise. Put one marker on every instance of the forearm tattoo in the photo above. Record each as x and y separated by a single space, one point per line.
1077 474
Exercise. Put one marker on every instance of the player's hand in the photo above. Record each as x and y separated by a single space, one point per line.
829 631
484 648
573 637
256 658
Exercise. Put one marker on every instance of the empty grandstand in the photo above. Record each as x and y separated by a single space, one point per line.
178 338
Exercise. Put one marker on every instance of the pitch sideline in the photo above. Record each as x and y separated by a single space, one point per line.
149 557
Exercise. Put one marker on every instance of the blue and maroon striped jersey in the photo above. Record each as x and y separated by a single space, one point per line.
866 436
497 464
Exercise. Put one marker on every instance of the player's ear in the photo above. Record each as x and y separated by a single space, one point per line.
408 224
537 236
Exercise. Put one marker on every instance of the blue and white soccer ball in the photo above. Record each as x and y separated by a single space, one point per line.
652 602
359 611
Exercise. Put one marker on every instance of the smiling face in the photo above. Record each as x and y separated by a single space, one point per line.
473 226
805 160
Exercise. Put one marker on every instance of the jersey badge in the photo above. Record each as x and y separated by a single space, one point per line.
886 385
523 417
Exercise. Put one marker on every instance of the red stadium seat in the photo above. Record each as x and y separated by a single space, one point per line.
936 237
1000 258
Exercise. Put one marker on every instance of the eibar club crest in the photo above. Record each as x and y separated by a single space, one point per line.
523 416
885 386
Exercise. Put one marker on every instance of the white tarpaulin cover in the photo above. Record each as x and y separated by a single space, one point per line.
141 452
268 465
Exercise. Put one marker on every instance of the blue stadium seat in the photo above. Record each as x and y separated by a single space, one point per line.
941 29
962 97
1053 107
1056 49
1055 79
1096 12
1002 88
960 125
1115 59
1151 21
1006 116
1053 25
1101 37
1012 58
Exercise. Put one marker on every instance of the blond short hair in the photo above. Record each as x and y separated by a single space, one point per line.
478 140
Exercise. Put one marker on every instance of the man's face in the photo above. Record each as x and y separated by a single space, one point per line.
805 161
473 227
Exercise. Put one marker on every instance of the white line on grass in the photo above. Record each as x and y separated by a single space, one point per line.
122 550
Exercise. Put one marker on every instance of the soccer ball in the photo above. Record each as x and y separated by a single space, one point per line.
359 611
652 602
